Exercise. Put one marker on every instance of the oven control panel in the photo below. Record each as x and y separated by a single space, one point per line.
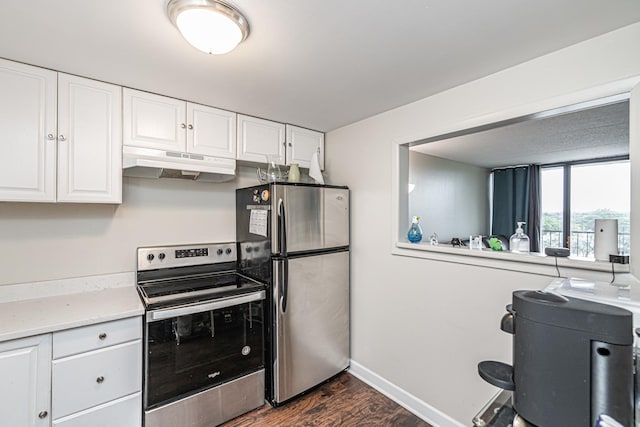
151 258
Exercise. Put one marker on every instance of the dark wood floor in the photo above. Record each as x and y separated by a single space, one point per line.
344 401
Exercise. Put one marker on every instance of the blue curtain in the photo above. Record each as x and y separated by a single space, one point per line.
516 197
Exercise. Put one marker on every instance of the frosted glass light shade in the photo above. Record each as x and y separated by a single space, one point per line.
208 25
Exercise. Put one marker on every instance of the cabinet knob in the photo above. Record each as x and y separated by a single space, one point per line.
182 125
62 138
43 414
190 126
102 336
100 379
290 145
51 137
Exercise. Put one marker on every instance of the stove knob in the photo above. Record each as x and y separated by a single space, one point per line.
161 256
228 251
219 251
150 257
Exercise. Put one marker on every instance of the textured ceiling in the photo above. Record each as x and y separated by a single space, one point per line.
318 64
592 133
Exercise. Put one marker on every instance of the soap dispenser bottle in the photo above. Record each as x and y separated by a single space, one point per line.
519 242
415 232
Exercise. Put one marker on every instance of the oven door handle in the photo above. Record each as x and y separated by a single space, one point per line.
207 306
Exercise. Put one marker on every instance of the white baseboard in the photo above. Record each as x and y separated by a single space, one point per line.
411 403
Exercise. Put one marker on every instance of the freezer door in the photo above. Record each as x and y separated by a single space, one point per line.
311 311
313 218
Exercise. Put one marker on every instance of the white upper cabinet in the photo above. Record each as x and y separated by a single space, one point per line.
258 138
211 131
154 121
89 141
81 147
28 139
25 369
302 143
163 123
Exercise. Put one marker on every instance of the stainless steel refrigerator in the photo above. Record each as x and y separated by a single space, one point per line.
295 238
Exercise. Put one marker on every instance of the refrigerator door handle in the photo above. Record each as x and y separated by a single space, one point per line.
282 228
285 285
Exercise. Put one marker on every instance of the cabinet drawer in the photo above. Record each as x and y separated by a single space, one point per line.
124 412
87 338
82 381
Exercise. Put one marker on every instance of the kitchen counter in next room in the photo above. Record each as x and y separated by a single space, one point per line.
37 308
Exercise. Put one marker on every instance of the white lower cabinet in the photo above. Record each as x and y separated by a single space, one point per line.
25 366
87 376
96 377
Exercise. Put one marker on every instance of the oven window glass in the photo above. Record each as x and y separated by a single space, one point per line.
190 353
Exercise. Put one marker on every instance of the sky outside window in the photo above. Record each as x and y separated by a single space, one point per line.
598 190
552 193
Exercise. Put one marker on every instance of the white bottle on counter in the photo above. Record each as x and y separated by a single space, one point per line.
519 242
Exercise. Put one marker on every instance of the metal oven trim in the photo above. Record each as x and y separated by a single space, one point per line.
213 406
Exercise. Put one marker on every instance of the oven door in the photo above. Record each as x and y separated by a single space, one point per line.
195 347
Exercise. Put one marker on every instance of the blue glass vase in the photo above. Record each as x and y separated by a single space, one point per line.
415 232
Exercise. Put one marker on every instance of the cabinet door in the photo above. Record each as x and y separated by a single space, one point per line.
258 138
89 141
25 368
302 143
153 121
28 123
210 131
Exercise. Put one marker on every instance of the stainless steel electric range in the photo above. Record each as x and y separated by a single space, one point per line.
204 335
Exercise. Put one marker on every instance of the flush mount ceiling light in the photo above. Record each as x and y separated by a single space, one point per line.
211 26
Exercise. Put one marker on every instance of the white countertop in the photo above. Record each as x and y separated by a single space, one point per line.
37 308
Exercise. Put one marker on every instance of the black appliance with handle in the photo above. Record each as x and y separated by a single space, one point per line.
572 360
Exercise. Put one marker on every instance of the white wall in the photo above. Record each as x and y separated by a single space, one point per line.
421 324
451 198
42 241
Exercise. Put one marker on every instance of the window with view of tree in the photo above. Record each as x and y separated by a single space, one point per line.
575 194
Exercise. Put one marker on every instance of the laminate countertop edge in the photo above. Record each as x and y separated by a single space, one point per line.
27 317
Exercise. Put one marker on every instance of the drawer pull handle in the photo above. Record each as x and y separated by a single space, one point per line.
102 336
43 414
100 379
